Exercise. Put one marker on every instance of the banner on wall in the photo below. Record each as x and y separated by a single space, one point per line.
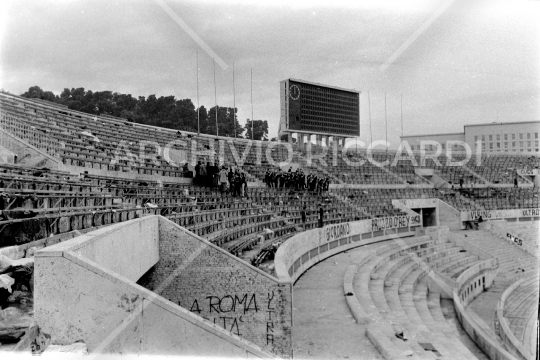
395 222
528 172
499 214
515 239
418 203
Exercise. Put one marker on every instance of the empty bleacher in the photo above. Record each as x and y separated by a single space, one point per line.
390 284
41 206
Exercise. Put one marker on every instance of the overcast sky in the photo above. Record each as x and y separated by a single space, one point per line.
477 62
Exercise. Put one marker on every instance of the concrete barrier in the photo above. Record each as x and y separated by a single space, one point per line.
78 297
470 285
509 339
306 249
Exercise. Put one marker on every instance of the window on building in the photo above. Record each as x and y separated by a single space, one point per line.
521 144
536 143
536 135
506 144
528 143
505 136
498 145
498 137
528 136
475 138
513 136
443 144
490 146
483 138
490 137
483 146
513 144
520 136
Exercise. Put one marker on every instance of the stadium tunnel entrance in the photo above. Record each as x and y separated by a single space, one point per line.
429 216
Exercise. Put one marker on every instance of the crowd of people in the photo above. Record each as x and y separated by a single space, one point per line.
233 180
229 180
296 180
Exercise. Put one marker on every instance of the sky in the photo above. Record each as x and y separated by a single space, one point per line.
453 62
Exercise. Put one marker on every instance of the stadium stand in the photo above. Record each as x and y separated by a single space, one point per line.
72 173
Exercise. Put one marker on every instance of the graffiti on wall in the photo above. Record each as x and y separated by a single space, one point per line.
227 311
394 222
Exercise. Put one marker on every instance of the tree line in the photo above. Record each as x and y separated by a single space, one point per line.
163 111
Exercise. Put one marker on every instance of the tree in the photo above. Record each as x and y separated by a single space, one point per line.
163 111
185 115
260 129
225 119
35 92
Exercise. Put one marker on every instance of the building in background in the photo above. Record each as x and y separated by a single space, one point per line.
516 137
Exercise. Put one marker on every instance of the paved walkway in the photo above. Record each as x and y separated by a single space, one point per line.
323 325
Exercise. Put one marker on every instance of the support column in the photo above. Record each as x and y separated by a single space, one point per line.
318 140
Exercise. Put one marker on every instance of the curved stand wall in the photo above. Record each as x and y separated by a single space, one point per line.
308 248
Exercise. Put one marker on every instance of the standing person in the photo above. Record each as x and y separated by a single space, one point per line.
461 183
230 177
243 184
237 183
277 176
202 171
515 182
321 215
267 178
198 172
223 179
304 216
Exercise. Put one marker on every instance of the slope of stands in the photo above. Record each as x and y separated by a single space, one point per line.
390 288
517 313
41 206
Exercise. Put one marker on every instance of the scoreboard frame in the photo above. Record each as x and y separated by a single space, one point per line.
312 108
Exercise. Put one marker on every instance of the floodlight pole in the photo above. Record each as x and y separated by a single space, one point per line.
198 106
385 121
251 103
215 96
401 98
234 102
369 112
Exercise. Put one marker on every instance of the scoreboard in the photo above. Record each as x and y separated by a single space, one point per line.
313 108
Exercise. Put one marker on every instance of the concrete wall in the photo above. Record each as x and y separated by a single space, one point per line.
507 335
449 216
306 249
79 299
128 249
465 292
223 289
27 155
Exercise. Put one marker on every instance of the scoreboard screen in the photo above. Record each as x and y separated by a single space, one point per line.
318 109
